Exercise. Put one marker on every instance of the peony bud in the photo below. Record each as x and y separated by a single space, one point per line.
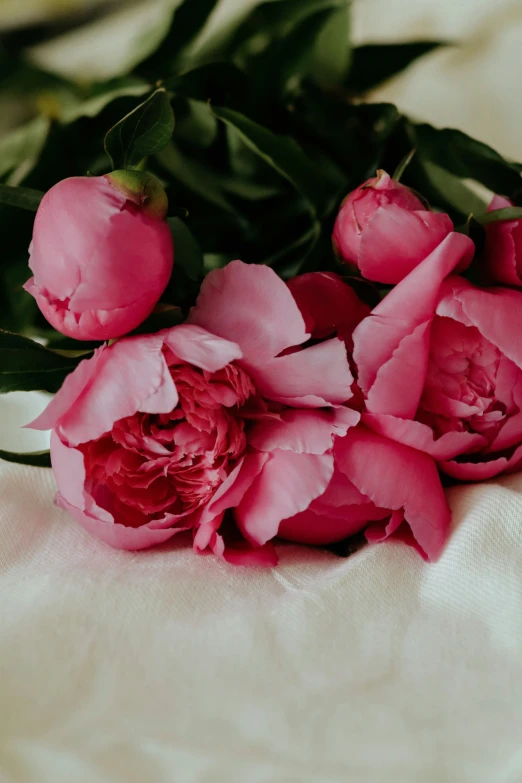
385 230
502 258
101 253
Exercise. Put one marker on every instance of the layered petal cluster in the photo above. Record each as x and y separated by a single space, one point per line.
100 261
440 365
385 230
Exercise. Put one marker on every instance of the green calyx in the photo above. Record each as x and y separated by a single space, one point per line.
143 189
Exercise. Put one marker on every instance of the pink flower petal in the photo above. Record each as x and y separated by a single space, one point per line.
318 526
196 346
411 303
500 251
302 431
394 476
421 437
328 305
320 371
496 312
395 241
131 375
398 385
250 305
262 556
481 471
286 486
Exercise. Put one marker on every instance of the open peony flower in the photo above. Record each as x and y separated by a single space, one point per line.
161 433
385 230
440 364
101 254
502 257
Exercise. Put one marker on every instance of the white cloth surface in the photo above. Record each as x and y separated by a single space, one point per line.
164 666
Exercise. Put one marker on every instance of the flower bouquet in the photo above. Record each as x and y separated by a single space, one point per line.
363 354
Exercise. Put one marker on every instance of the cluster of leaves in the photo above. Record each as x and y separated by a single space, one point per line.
256 131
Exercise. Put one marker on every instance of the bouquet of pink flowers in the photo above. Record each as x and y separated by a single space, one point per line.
362 355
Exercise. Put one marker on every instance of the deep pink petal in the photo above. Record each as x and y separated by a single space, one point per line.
69 472
287 485
481 471
196 346
302 431
328 305
395 241
251 306
499 258
394 476
320 371
318 526
411 303
262 556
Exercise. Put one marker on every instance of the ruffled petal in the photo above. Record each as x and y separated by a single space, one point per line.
302 431
397 477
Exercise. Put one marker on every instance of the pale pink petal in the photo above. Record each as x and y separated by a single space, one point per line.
250 305
395 241
320 371
411 303
421 437
196 346
129 376
394 476
302 431
398 385
287 485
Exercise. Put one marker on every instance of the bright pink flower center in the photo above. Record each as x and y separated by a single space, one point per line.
465 389
151 465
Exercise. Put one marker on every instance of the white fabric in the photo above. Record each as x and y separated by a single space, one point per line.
164 666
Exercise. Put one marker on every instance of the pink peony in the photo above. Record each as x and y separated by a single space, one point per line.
440 364
502 256
101 254
385 230
166 432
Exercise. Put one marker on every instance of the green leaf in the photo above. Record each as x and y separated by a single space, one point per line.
217 82
508 213
27 366
331 54
101 96
283 154
145 131
467 158
373 64
24 198
23 146
403 165
187 252
453 189
194 175
39 459
188 20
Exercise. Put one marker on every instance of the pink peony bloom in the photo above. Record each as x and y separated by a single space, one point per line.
502 258
385 230
229 411
100 261
440 364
